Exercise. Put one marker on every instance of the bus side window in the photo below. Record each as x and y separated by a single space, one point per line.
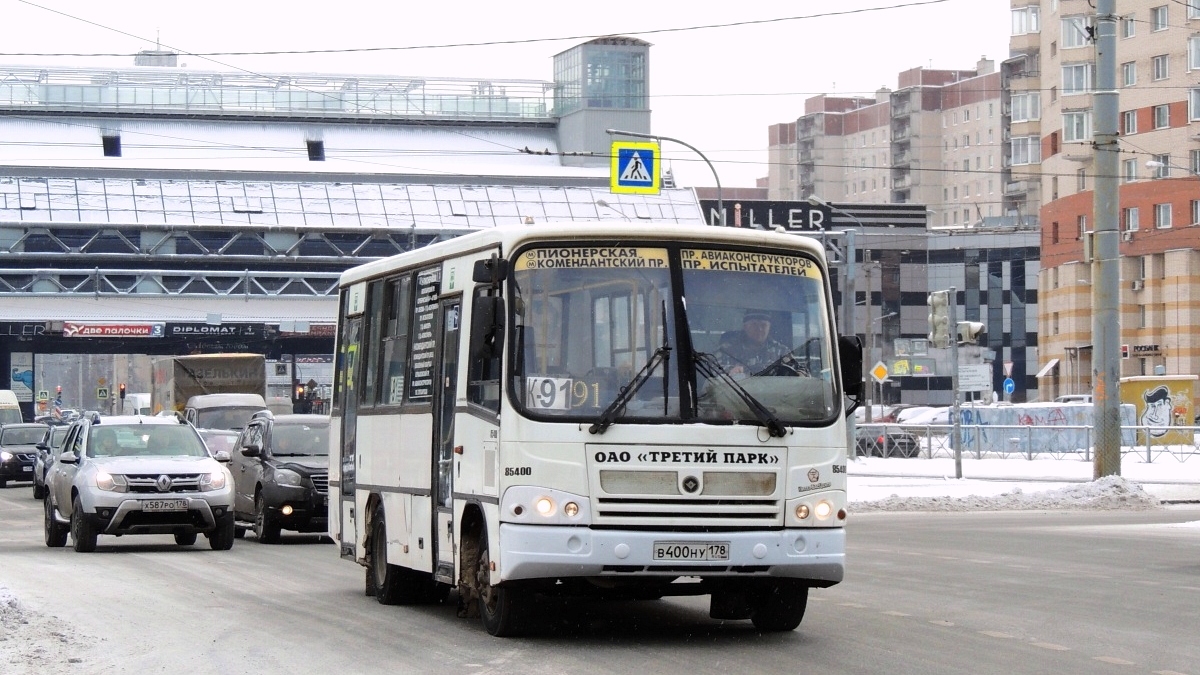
483 370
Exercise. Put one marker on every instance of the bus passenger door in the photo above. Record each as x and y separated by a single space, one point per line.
443 441
345 496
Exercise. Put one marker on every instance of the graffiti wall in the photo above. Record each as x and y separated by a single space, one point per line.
1161 404
1034 427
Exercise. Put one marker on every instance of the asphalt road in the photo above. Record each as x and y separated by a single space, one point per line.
1034 592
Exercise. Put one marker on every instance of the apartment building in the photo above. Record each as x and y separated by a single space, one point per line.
1157 55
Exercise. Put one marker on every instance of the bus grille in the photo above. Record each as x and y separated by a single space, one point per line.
696 510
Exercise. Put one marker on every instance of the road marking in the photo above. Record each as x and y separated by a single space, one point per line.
941 622
1168 672
892 612
997 634
855 605
1113 660
1052 646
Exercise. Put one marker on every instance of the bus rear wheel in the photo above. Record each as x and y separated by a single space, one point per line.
780 606
500 606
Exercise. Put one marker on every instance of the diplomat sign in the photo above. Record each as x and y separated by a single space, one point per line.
245 330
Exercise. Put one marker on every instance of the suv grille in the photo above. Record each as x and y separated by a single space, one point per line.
149 482
320 482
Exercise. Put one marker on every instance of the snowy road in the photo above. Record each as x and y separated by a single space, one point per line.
925 592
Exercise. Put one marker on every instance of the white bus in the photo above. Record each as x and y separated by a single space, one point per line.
555 408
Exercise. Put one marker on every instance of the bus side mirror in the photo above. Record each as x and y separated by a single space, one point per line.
490 271
850 353
487 326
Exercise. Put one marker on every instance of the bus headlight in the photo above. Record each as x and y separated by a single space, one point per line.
532 505
824 510
802 512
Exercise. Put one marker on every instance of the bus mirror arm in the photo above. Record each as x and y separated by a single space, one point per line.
850 353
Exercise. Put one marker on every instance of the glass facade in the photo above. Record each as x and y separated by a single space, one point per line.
604 73
324 205
232 93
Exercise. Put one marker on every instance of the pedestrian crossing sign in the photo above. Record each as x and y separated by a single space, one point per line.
635 168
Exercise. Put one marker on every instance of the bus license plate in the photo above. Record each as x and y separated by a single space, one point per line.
158 505
691 550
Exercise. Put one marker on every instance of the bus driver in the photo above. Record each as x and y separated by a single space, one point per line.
750 350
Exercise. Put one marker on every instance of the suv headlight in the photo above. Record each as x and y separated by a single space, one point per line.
212 481
111 483
287 477
6 455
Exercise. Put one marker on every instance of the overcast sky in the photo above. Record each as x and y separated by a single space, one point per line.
717 88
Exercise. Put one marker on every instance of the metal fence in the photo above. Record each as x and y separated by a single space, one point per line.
1023 441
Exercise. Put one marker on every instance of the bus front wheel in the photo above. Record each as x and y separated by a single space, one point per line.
500 606
779 607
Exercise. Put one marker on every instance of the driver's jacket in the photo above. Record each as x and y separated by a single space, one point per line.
740 351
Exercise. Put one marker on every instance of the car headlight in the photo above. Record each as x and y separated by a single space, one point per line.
287 477
212 481
6 455
111 483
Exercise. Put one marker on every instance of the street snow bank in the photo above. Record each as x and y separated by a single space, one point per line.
1110 492
33 643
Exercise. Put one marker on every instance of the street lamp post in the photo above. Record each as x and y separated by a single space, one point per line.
657 137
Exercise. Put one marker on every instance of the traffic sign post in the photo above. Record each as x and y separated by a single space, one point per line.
102 393
635 168
1009 388
879 372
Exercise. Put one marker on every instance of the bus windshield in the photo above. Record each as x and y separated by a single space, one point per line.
598 324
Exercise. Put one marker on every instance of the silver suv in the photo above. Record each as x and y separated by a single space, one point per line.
137 475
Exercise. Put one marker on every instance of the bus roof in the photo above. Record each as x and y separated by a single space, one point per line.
508 237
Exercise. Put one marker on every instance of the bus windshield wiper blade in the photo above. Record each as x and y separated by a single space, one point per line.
610 413
708 366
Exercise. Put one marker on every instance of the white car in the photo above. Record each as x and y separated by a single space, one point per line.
137 475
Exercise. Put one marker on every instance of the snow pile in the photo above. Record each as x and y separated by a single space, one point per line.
1110 492
34 643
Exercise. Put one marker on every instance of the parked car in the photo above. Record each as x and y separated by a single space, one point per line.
137 475
18 451
281 475
1074 398
886 441
47 452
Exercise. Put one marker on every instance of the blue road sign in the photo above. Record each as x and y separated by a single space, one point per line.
635 168
1009 385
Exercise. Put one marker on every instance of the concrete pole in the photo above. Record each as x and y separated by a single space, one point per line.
1106 270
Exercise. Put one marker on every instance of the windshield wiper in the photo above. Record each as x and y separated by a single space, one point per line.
660 356
708 366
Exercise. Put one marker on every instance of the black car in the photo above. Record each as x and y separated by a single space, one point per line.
47 452
281 475
18 451
886 441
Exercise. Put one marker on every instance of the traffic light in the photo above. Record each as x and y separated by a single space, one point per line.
939 318
121 389
968 331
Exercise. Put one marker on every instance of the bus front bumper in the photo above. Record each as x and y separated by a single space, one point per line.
814 555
